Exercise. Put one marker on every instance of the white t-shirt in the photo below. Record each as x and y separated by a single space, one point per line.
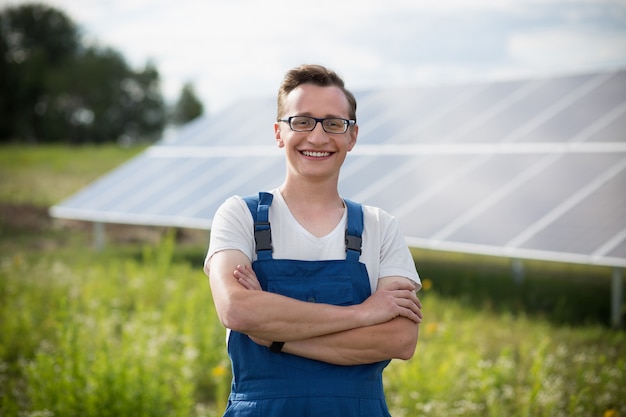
384 251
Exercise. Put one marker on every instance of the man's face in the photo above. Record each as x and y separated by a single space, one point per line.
315 154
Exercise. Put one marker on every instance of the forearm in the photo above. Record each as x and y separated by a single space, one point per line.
271 316
264 315
395 339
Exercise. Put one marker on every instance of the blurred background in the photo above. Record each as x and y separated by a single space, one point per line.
109 110
65 60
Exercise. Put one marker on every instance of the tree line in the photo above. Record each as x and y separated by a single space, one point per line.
54 87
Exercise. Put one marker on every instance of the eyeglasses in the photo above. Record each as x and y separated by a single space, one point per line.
307 124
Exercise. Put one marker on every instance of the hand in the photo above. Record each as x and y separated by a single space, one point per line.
395 299
246 277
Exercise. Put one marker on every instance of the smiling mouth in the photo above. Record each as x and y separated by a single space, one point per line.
316 154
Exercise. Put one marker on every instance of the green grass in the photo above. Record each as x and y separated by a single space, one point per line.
131 330
111 333
45 174
561 293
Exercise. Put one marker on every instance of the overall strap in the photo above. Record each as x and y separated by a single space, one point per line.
354 230
259 208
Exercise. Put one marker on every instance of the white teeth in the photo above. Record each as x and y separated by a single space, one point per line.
315 154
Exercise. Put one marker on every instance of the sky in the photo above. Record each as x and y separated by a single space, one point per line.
232 50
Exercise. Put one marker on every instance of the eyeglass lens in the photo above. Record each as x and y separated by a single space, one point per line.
305 124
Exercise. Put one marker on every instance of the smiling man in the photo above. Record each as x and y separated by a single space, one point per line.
318 293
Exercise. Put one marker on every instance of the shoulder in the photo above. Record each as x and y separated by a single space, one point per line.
245 200
382 227
236 207
377 218
233 210
376 212
233 204
232 228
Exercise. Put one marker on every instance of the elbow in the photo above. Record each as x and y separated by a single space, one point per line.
228 319
235 316
405 351
406 346
233 320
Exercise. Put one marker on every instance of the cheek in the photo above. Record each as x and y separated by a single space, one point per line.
353 135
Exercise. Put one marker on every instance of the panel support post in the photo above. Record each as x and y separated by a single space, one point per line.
617 297
517 268
98 236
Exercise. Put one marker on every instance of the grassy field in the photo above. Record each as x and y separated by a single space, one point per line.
131 330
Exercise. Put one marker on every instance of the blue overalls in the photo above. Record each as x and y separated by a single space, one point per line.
279 384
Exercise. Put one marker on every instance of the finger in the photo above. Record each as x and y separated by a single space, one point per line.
249 283
249 272
242 271
408 294
239 274
411 315
415 299
245 283
409 305
402 285
243 279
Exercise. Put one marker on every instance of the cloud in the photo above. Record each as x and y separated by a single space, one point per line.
234 49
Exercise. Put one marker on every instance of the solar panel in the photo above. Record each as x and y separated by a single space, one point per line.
530 169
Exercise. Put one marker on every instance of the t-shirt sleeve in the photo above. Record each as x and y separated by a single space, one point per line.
395 256
232 228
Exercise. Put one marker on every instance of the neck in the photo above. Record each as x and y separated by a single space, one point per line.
311 194
316 208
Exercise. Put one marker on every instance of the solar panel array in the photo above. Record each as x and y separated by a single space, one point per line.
531 169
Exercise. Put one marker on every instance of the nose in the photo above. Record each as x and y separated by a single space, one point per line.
317 136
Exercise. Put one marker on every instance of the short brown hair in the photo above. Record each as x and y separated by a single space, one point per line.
317 75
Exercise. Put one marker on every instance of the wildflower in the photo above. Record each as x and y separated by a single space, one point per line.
427 284
219 371
431 328
611 412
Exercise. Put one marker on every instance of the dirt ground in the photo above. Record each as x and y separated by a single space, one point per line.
24 217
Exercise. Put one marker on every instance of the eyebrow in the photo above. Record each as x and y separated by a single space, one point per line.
327 116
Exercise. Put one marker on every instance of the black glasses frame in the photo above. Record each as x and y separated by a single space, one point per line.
346 123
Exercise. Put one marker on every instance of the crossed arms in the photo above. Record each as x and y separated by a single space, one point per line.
384 326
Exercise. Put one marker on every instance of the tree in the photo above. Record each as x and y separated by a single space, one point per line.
99 99
188 106
35 38
60 90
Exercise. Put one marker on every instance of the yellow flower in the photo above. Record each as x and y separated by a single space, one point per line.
431 328
219 371
611 412
427 284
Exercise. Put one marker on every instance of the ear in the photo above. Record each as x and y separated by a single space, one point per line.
277 132
354 132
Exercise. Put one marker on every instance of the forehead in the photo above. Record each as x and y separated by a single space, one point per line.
310 99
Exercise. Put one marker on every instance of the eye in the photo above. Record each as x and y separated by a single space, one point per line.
334 123
302 122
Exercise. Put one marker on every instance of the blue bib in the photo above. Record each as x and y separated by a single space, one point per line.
270 385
